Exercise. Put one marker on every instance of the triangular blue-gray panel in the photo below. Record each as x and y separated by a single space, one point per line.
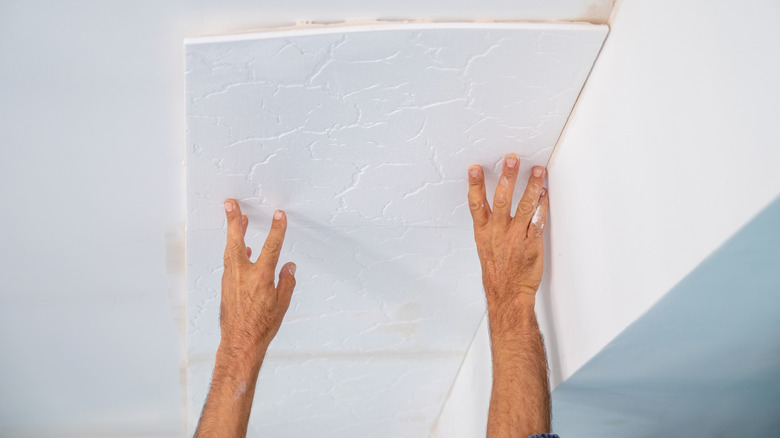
703 362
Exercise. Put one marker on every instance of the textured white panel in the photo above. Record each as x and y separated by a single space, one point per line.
363 136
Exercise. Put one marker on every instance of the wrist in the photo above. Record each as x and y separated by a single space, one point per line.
509 319
238 359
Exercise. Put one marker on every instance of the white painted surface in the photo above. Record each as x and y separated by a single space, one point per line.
673 147
364 137
464 414
245 15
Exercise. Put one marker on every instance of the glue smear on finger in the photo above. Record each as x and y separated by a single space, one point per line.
536 220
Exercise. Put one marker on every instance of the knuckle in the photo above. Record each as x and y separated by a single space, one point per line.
265 276
533 189
272 246
500 202
525 207
229 259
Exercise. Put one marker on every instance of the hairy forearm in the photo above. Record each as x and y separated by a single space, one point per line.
229 403
520 401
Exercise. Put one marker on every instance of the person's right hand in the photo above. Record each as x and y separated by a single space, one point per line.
510 248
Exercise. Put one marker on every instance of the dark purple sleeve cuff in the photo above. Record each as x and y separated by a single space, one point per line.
545 435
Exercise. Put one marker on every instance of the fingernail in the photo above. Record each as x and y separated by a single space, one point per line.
474 172
228 206
511 162
292 268
277 215
538 171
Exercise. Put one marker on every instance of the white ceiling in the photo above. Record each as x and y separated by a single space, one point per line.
363 135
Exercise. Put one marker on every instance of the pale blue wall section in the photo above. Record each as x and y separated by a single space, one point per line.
709 349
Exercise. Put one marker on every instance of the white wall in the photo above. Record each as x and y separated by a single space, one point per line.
92 134
672 147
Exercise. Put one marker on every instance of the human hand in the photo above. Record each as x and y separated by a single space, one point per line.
252 307
251 312
510 248
510 251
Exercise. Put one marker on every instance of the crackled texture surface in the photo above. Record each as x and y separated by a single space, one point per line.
363 137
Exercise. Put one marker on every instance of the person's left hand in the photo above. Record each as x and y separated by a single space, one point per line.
253 307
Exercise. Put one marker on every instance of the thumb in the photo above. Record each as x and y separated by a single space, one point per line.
286 284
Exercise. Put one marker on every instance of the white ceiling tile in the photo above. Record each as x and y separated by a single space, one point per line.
363 136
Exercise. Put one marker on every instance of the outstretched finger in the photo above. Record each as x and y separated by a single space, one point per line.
527 205
235 250
286 284
269 255
245 223
539 218
478 204
502 200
